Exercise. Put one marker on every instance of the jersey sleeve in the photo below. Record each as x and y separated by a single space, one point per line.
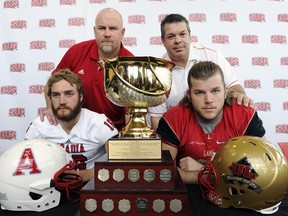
101 129
157 111
64 63
255 127
33 132
213 54
245 121
167 134
229 74
170 127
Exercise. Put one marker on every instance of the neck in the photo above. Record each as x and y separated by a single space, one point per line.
68 125
208 125
105 55
181 62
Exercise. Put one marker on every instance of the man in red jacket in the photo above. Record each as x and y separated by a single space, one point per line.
83 59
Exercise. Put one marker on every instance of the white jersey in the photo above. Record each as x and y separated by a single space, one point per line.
86 141
198 52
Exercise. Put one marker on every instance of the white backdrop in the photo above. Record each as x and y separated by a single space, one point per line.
34 35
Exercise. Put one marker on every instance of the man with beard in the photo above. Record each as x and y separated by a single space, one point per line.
81 132
194 130
83 59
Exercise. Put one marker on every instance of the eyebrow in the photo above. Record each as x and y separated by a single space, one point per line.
68 91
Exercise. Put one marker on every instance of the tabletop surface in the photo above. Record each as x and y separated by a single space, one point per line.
199 207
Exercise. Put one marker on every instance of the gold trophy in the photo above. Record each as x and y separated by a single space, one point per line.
138 178
137 83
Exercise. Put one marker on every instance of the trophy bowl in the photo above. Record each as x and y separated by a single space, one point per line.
137 83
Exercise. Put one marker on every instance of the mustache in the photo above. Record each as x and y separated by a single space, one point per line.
63 107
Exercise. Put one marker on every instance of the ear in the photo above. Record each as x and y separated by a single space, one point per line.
81 98
123 32
188 95
94 30
226 92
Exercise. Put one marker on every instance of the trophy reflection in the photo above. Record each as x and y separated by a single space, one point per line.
137 83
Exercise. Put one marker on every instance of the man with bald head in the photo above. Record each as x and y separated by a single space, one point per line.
83 59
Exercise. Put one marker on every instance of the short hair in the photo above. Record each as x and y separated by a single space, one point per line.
204 70
173 18
69 76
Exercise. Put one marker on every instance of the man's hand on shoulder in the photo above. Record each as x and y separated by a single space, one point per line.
50 116
244 99
237 92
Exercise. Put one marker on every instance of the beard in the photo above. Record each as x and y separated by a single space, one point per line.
107 47
69 116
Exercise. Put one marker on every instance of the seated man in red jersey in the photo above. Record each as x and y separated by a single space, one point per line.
205 118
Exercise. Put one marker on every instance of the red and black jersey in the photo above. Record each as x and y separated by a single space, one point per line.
180 129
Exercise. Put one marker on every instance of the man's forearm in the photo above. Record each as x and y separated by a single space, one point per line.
237 89
47 99
189 177
86 174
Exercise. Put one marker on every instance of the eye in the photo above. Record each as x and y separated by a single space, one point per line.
183 34
101 28
69 94
215 91
54 94
170 37
113 29
199 93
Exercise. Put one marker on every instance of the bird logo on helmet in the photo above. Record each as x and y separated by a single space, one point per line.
246 172
33 175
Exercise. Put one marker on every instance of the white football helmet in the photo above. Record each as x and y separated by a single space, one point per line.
32 177
246 172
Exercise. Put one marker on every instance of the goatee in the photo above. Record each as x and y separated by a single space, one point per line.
106 48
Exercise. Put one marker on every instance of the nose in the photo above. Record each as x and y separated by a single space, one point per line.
107 32
178 39
208 98
62 99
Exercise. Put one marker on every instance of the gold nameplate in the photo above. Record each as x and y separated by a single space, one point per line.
134 149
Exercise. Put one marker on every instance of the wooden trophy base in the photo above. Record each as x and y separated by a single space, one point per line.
151 188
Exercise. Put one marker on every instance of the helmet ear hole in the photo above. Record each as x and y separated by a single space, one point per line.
242 192
233 191
34 196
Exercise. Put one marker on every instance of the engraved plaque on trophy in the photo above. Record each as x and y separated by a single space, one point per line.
136 174
137 83
134 149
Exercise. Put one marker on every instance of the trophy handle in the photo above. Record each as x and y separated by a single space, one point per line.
153 71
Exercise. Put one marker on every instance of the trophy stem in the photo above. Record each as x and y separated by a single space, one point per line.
137 126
